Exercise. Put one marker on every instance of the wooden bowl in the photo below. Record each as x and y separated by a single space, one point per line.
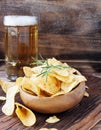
54 104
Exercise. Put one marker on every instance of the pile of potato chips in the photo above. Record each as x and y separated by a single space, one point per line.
51 78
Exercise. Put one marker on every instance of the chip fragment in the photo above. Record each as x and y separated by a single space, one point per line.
86 94
52 119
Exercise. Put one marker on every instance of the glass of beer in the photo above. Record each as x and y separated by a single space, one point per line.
21 43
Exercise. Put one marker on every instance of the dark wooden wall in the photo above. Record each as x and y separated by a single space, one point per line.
68 29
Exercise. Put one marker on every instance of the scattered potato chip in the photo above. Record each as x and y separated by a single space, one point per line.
86 87
26 116
5 85
8 107
2 98
52 119
86 94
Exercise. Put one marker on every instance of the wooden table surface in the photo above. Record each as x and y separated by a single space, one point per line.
85 116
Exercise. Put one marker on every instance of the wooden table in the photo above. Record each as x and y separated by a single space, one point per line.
85 116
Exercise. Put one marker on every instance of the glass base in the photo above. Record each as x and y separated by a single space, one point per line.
12 77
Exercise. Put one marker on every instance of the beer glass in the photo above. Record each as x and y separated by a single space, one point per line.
21 43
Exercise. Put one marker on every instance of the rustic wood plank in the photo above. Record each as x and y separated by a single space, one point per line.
89 121
84 116
65 27
97 127
66 47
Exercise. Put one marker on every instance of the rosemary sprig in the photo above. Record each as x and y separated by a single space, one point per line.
47 68
37 62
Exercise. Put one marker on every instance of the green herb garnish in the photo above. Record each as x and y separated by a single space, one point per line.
47 68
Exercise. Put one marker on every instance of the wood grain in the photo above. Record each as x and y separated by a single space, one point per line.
84 116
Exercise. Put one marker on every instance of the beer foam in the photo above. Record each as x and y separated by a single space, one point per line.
15 20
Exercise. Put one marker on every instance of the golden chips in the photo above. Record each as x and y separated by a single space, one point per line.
52 78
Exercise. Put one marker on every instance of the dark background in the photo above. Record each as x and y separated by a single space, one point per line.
68 29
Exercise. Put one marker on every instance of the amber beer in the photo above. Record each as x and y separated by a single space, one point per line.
21 43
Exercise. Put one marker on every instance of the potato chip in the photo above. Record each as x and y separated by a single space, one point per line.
27 71
26 116
59 68
5 85
61 72
19 81
67 87
58 93
62 78
52 119
86 87
29 91
80 78
53 61
29 85
86 94
37 69
51 86
8 107
2 98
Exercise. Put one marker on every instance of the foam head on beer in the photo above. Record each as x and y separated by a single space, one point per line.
15 20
